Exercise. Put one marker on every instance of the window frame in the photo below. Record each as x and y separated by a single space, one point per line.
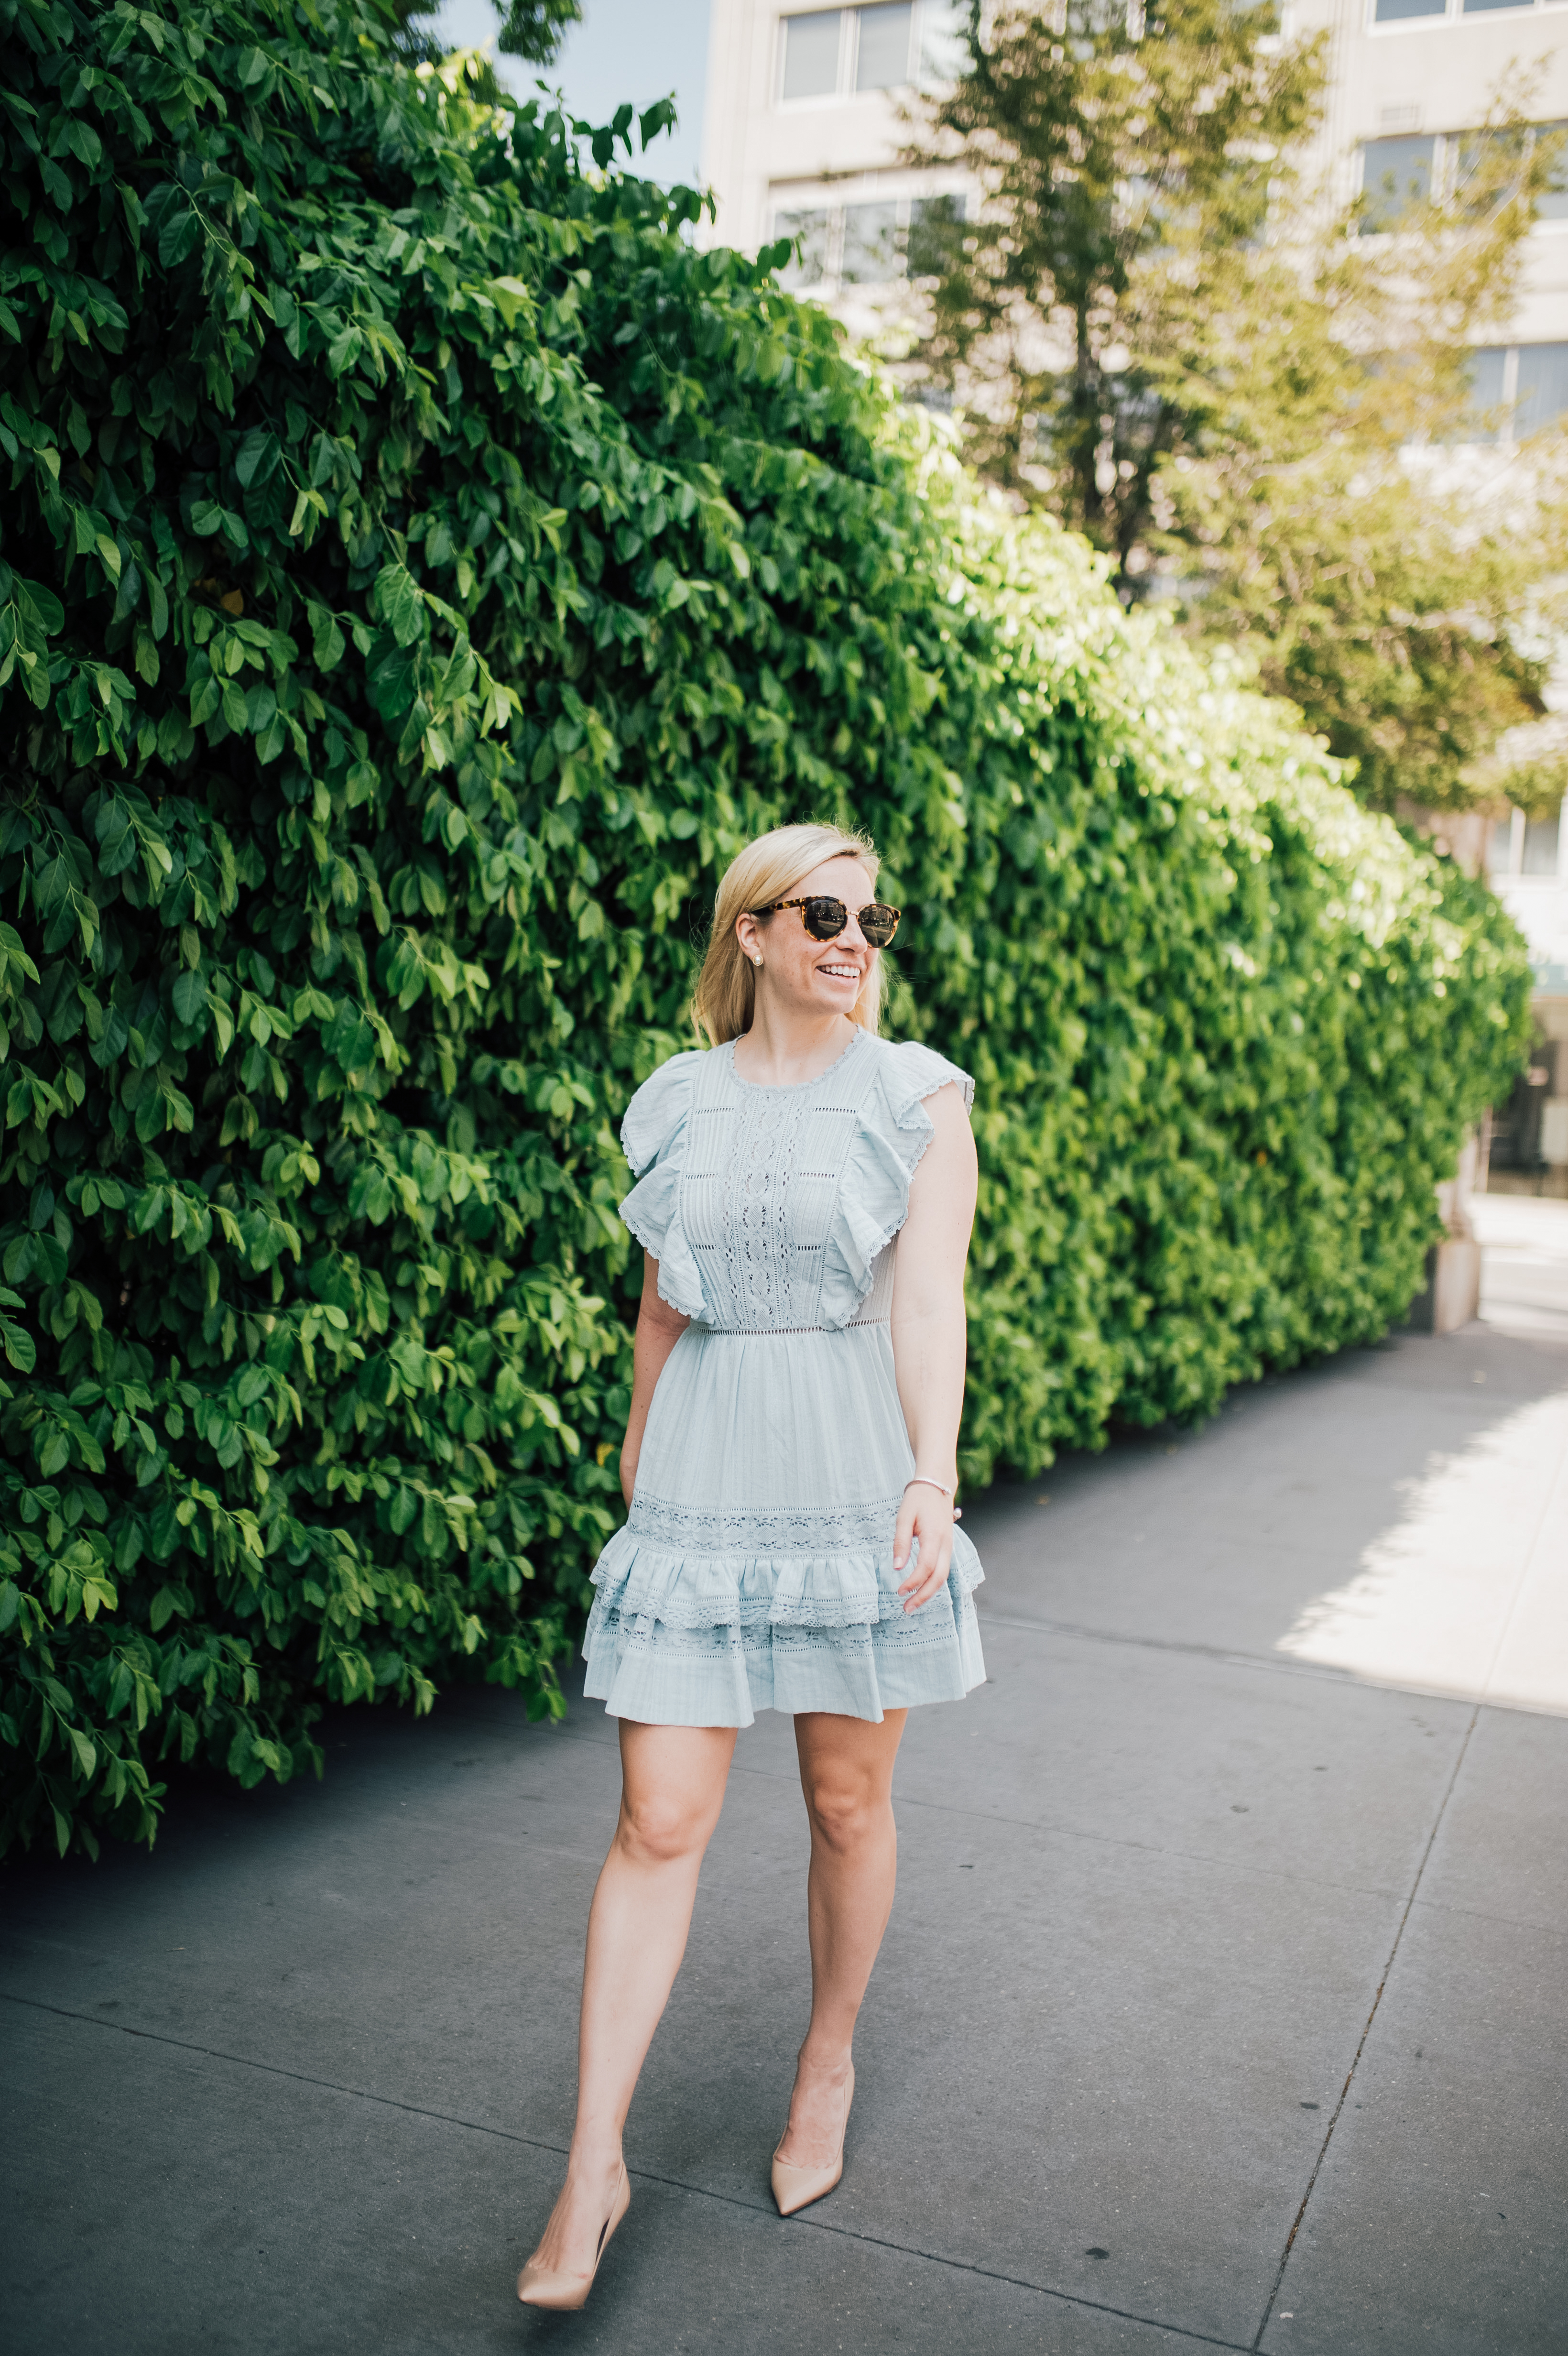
1453 12
844 91
1515 871
838 204
1447 146
1508 399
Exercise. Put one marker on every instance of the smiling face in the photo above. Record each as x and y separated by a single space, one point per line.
804 976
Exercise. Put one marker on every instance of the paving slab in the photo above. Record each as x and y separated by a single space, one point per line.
1098 2025
222 2245
302 2078
1401 1515
1441 2209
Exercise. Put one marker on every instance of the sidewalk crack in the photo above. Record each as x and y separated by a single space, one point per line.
1366 2032
641 2175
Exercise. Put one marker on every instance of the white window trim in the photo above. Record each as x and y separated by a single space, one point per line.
1513 873
1445 146
1508 398
845 93
1454 14
835 201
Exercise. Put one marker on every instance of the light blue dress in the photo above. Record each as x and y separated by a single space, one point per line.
755 1570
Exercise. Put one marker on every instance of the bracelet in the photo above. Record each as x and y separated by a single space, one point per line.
923 1481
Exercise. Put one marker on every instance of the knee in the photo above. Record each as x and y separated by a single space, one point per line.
846 1812
657 1830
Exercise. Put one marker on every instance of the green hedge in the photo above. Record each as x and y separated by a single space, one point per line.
423 568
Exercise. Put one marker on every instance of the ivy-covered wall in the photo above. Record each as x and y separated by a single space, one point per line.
421 568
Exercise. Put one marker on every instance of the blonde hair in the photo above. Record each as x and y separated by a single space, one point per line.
767 870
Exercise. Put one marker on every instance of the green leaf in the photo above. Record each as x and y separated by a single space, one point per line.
21 1350
326 639
400 604
259 457
389 677
189 997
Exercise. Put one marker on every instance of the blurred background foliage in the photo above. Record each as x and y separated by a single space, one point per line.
423 568
1256 399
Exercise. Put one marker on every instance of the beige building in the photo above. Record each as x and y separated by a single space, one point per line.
803 128
803 125
801 131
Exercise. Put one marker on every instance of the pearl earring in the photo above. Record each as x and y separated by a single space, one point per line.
756 960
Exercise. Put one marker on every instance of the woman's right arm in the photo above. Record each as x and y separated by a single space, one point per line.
659 1328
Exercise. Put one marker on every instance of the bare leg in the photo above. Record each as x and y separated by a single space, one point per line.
847 1774
673 1782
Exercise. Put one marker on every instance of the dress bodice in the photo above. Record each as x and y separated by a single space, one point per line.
770 1210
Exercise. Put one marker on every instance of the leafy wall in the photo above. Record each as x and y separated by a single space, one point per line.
422 569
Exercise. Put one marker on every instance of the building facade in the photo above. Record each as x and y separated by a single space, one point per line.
802 132
807 117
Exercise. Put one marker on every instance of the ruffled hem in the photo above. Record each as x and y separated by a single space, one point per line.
852 1587
645 1669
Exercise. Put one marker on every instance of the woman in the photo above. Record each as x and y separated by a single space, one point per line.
790 1468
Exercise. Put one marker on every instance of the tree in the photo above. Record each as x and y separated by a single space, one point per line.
535 28
1251 400
1099 142
531 29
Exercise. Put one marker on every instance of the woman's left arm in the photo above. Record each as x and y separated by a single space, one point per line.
929 1337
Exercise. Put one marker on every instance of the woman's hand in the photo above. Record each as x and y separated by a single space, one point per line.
926 1515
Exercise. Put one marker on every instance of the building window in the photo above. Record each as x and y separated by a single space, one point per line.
1552 204
1524 846
933 226
844 52
811 47
809 232
1528 383
1402 172
1394 11
872 244
882 45
1488 392
1542 395
1395 175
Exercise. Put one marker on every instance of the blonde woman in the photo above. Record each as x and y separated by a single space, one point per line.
805 1192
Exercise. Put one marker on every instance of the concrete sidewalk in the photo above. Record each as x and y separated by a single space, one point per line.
1223 2004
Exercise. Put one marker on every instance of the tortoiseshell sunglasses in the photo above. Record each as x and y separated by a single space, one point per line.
825 920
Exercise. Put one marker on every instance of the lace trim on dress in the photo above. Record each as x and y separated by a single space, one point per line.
843 1586
748 1530
911 1632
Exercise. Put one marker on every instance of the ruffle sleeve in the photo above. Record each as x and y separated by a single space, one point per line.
892 1134
653 1138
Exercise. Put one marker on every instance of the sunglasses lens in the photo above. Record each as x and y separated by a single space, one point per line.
825 920
879 923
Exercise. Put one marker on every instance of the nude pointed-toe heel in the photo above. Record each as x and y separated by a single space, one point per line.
797 2187
549 2286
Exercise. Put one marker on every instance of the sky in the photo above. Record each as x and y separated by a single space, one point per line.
636 49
